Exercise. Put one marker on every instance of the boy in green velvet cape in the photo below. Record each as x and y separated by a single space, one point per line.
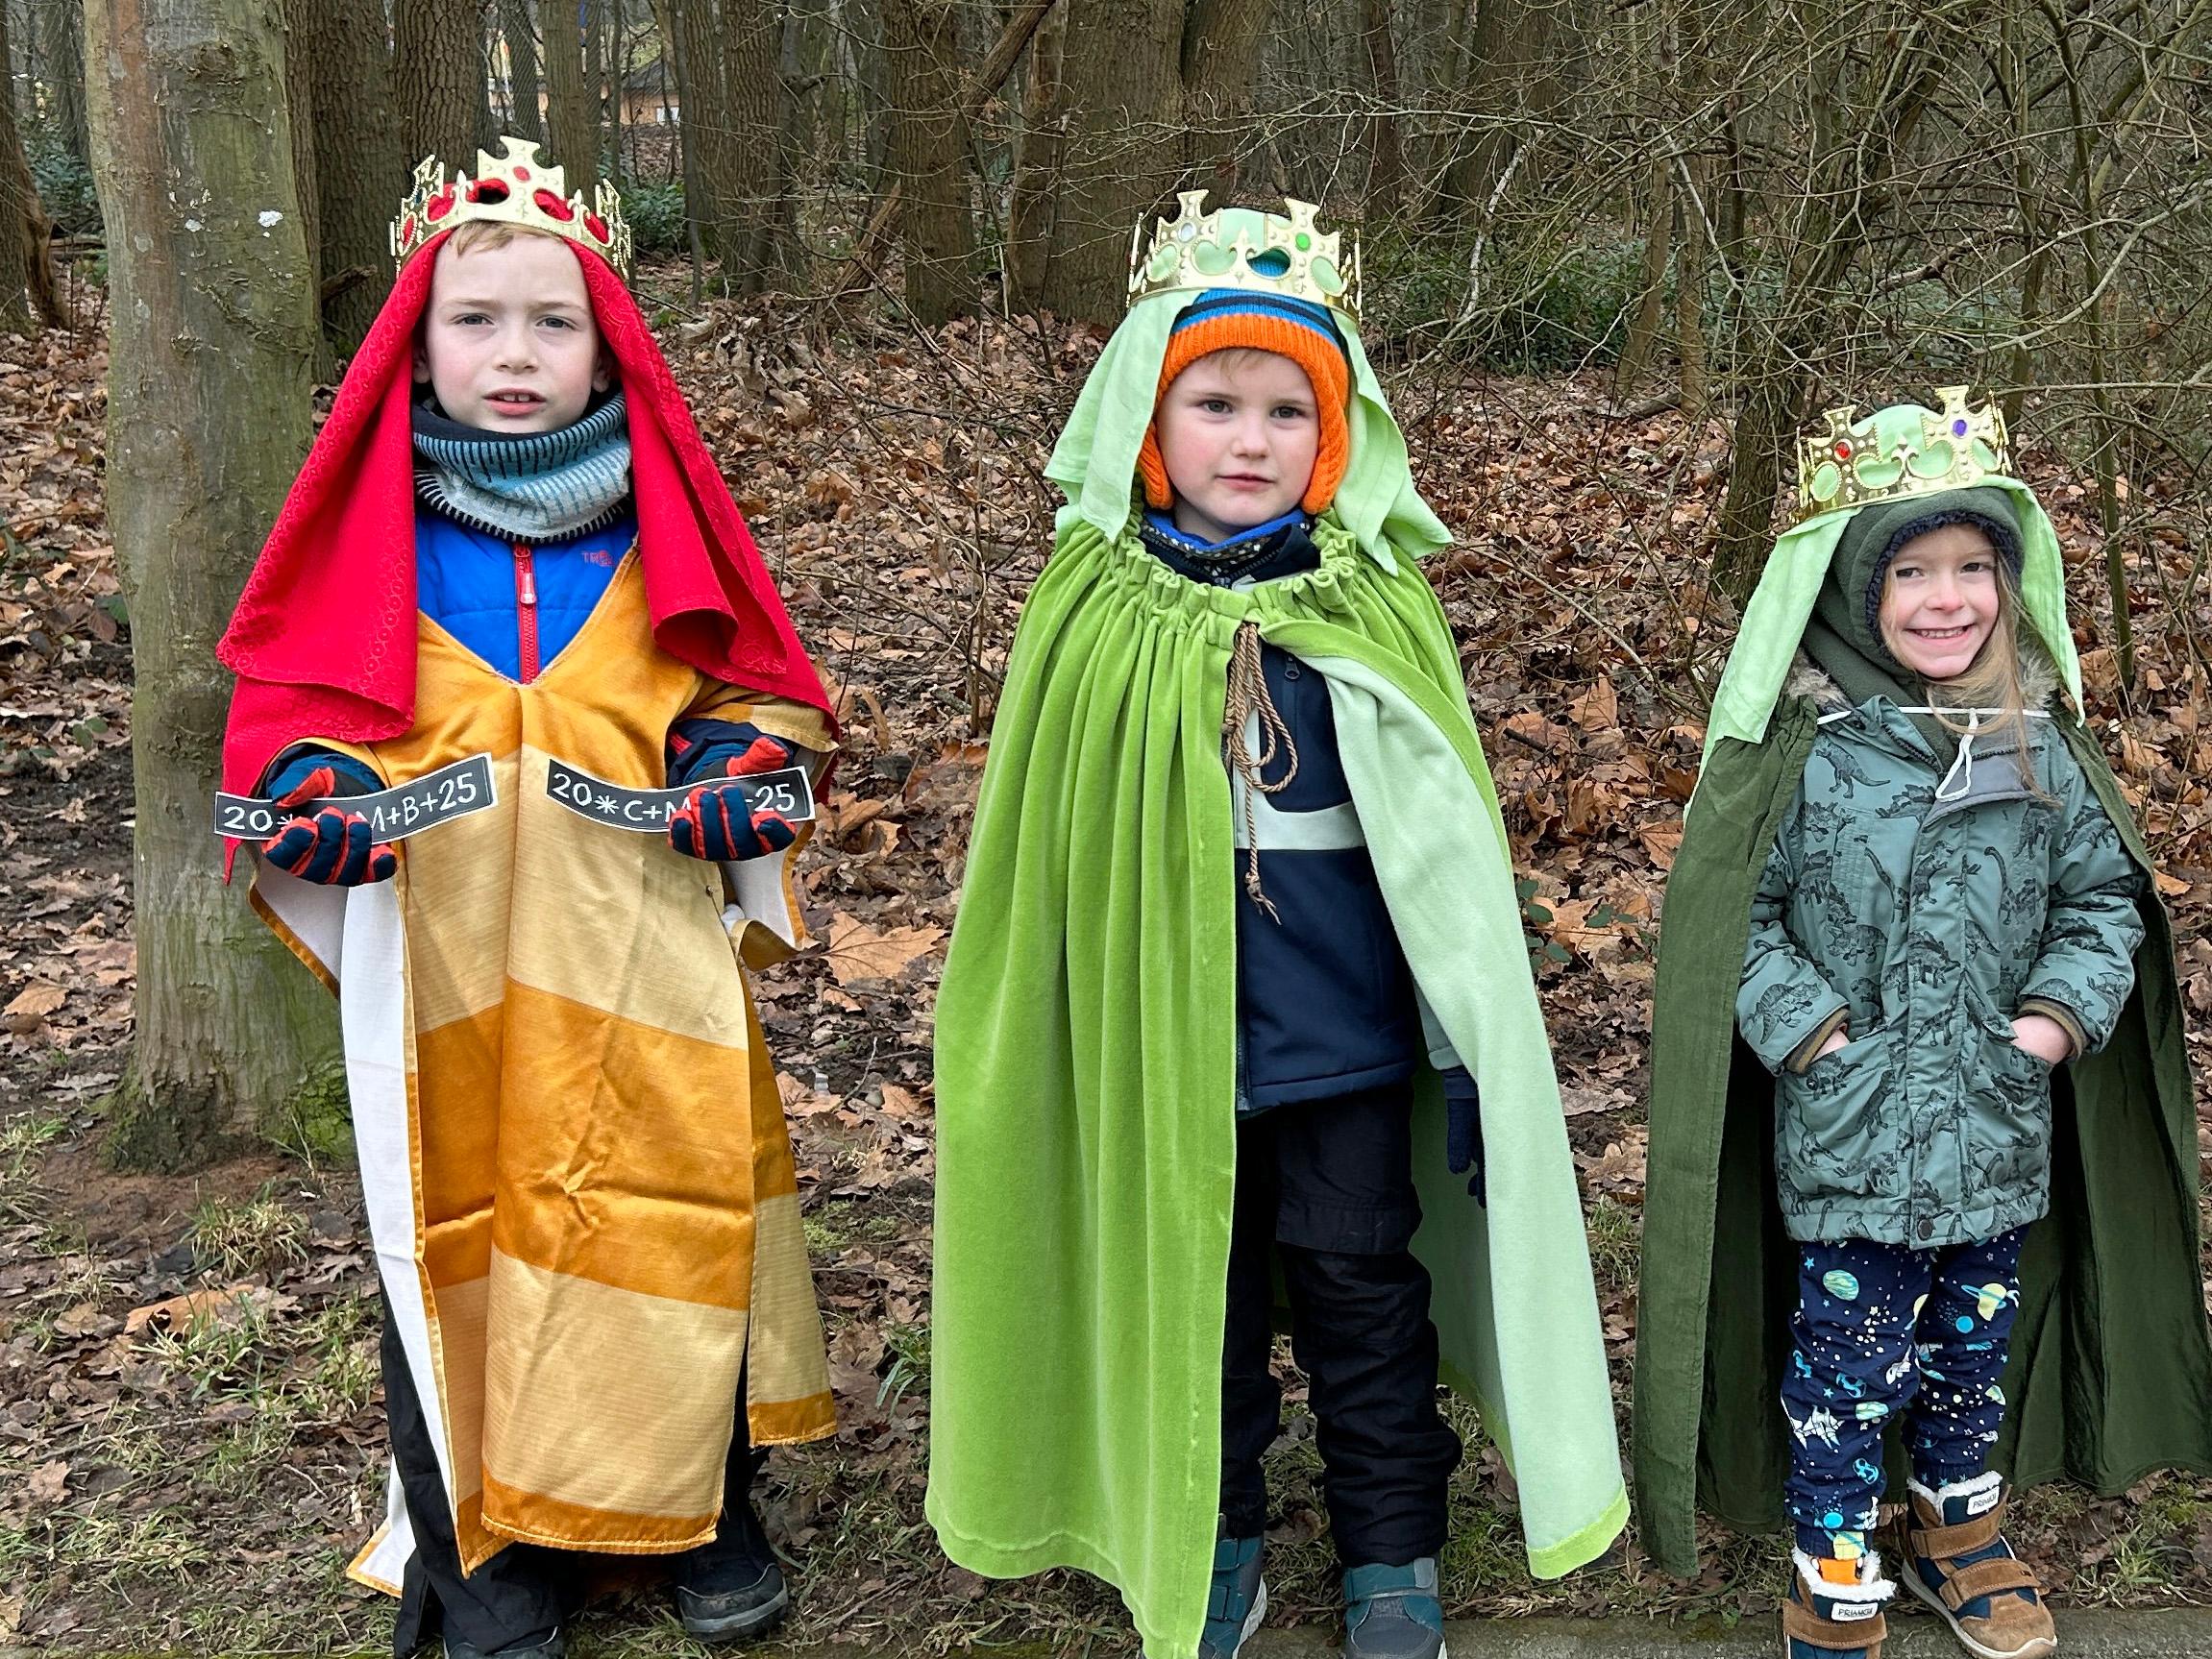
1238 941
1863 1032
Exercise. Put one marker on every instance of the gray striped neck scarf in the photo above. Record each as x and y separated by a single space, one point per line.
530 487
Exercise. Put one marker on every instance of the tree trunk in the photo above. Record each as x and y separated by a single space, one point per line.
360 171
1219 56
522 69
928 145
1651 294
595 63
1126 140
569 105
748 196
784 254
705 118
300 100
1689 291
1038 154
63 23
1512 78
26 282
1386 151
674 59
438 73
213 337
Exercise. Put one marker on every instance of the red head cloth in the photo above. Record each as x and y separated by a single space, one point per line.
323 641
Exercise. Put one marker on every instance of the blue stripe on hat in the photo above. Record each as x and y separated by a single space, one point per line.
1259 303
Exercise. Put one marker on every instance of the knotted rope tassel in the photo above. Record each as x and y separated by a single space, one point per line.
1247 696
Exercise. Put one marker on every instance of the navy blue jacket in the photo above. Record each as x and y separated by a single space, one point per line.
1325 1003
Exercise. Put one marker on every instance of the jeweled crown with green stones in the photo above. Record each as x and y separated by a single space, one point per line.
1898 452
1244 248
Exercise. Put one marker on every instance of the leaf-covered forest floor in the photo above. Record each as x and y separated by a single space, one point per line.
191 1426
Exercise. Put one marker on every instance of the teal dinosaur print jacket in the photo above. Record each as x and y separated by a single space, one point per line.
1927 924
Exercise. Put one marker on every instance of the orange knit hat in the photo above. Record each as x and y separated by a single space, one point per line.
1227 319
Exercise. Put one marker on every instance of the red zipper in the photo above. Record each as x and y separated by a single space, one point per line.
526 613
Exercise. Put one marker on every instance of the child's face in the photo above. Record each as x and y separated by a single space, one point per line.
1939 600
1237 433
508 342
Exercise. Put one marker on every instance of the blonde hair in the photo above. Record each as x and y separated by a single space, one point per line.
1993 679
489 234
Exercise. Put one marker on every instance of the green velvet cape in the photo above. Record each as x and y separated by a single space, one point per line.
2110 1373
1086 1055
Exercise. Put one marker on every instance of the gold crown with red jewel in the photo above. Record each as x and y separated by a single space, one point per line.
1905 450
517 189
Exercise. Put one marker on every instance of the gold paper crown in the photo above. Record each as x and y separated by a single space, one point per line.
1195 251
511 189
1898 453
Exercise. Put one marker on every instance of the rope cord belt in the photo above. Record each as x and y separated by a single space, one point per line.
1248 701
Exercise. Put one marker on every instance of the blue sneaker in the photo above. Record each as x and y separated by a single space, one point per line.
1239 1598
1957 1562
1824 1620
1394 1612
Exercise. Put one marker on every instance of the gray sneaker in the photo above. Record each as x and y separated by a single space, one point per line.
552 1644
1394 1612
1237 1601
735 1614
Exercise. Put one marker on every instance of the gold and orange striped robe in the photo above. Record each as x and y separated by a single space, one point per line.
577 1169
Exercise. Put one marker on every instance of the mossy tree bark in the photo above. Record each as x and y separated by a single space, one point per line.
213 345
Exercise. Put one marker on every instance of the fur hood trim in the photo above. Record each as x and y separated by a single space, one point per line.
2038 680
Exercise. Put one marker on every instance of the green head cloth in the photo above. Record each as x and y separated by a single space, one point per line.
1095 459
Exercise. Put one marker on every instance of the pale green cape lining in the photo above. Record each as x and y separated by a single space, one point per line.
1515 1310
1095 459
1774 621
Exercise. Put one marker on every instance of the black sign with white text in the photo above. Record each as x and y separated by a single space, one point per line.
453 792
788 793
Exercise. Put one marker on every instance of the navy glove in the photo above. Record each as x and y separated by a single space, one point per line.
1464 1130
334 848
713 824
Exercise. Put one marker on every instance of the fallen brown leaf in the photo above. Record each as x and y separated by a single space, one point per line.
858 952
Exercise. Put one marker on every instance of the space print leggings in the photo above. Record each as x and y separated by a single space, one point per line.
1881 1329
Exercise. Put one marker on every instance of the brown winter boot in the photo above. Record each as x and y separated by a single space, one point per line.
1957 1562
1824 1619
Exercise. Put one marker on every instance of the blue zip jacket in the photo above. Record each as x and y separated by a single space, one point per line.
1325 1001
473 585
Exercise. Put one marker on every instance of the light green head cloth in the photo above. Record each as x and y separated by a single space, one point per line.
1095 459
1904 444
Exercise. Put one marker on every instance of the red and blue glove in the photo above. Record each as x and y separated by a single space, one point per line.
714 822
334 848
1464 1130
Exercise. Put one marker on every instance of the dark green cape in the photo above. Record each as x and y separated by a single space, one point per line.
2111 1371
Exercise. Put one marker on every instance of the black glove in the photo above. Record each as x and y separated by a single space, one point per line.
714 822
1464 1130
334 848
